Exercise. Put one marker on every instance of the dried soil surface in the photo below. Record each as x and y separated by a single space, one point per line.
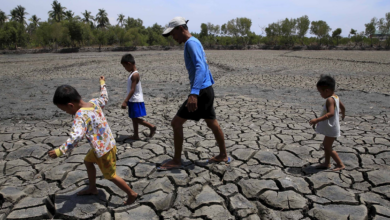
264 100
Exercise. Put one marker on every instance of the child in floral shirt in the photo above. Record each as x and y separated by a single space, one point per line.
90 122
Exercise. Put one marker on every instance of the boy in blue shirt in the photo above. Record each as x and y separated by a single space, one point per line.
201 99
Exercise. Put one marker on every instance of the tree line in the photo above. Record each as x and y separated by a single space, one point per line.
65 29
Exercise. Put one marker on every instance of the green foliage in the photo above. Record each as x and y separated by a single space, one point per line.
101 38
134 23
370 28
336 34
155 35
3 18
384 27
121 18
75 32
273 32
13 34
102 19
302 27
18 14
288 30
134 38
65 29
88 18
353 31
238 28
58 12
203 31
320 29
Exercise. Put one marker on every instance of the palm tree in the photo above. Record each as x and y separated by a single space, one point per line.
121 18
19 14
87 16
3 17
102 19
68 15
58 11
34 20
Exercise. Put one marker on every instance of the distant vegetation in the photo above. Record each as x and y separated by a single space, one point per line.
65 29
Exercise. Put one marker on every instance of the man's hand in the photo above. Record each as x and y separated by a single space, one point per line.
124 105
102 78
313 121
52 154
192 103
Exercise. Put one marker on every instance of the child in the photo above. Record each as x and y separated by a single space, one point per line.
135 99
89 122
328 123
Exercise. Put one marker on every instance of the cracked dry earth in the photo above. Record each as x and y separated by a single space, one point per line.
264 100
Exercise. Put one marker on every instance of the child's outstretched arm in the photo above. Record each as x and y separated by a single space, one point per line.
342 108
134 80
330 103
77 133
103 99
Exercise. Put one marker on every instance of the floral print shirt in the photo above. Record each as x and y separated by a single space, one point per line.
91 123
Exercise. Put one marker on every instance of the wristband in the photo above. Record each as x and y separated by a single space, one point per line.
58 152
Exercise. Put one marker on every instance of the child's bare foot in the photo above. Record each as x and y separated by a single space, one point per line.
219 158
131 199
323 166
133 138
88 191
339 167
152 131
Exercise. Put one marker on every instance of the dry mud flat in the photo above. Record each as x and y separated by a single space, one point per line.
264 101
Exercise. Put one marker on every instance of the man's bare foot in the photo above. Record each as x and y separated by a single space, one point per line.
219 158
323 166
131 199
88 191
152 131
339 167
170 165
133 137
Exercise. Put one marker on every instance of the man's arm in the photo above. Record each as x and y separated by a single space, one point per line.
103 99
196 54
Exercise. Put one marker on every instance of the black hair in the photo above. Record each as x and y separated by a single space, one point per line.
128 58
66 94
327 82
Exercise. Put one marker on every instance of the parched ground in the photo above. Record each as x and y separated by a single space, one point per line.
264 100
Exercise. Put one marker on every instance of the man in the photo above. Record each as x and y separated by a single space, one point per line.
201 99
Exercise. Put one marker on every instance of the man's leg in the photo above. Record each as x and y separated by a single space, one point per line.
91 170
218 134
177 125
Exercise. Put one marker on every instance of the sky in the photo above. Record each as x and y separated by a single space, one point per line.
344 14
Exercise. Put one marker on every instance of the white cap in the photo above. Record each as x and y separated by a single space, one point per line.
176 21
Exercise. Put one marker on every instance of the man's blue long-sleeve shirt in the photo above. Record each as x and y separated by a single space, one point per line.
196 64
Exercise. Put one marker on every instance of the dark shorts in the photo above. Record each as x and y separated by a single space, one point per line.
205 106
